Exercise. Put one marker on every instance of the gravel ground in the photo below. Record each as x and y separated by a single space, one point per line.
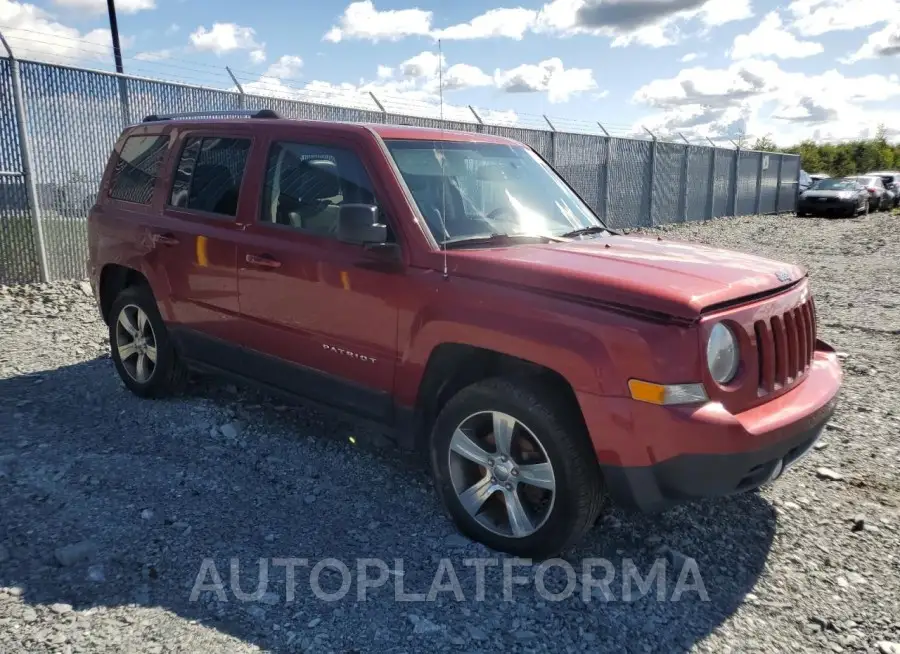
109 506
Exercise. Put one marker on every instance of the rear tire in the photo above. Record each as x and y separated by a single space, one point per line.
482 482
140 346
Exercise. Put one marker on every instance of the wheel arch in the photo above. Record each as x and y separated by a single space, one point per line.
454 366
115 278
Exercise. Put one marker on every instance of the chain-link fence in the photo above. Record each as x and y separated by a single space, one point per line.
71 117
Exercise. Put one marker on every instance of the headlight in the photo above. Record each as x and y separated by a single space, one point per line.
845 195
722 355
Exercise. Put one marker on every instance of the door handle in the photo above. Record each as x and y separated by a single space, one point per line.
264 260
164 239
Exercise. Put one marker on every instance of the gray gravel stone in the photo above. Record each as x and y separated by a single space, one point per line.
72 554
829 474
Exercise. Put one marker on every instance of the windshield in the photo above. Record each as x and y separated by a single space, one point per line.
835 185
487 188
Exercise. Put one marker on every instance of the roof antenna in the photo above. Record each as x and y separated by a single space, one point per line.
444 236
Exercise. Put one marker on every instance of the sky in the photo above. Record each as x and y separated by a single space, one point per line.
720 69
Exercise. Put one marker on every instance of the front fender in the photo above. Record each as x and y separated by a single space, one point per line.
565 344
596 350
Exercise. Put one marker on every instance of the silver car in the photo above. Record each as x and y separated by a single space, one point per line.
891 180
879 197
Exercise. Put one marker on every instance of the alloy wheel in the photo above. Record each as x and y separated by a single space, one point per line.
136 343
501 474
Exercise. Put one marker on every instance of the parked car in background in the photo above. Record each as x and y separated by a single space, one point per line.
879 198
818 177
834 196
891 180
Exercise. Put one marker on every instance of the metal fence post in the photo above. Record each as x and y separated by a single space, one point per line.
759 177
609 152
684 181
242 99
734 185
711 194
27 167
379 105
652 176
480 127
778 184
123 100
552 142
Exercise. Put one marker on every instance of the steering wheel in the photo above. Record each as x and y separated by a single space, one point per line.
499 211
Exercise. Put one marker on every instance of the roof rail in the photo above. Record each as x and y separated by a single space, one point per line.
256 113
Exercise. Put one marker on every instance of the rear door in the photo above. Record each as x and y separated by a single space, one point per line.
321 311
202 215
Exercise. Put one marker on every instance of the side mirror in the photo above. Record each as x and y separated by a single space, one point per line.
358 223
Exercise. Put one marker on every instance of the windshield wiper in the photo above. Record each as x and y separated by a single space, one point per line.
478 239
593 229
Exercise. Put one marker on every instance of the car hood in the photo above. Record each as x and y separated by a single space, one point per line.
674 278
825 194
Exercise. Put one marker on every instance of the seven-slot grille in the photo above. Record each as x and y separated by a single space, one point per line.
785 346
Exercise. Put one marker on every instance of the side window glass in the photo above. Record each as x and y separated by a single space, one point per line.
137 168
307 184
209 175
182 184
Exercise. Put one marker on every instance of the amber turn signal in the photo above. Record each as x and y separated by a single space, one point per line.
665 394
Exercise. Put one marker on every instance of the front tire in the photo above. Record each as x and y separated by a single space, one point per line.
514 467
140 346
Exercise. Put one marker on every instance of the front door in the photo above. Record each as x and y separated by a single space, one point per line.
316 306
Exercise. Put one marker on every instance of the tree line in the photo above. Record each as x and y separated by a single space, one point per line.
841 159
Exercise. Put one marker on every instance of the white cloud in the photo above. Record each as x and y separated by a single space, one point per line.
257 56
361 20
509 23
385 72
652 23
652 36
817 17
771 39
548 76
757 97
465 76
406 97
100 7
224 38
692 56
155 55
173 28
883 43
32 33
287 67
424 64
720 12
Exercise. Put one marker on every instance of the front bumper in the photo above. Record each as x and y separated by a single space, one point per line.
656 456
831 206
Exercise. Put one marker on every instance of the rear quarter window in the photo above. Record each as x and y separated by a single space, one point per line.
137 168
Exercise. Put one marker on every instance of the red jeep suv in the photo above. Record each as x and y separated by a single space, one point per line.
452 287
